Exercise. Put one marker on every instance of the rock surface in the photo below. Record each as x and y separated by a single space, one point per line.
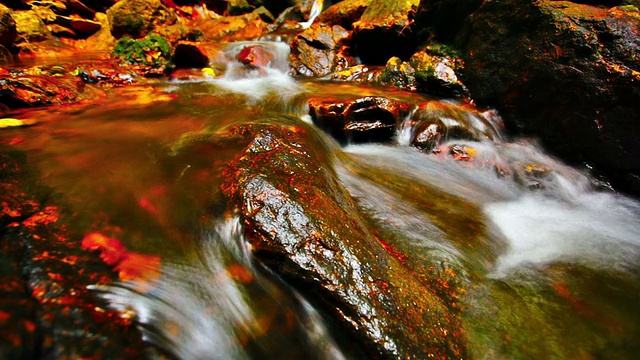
565 73
367 119
137 18
304 226
320 50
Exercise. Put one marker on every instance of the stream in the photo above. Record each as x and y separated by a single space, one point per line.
546 259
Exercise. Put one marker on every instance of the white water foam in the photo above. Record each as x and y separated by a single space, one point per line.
595 229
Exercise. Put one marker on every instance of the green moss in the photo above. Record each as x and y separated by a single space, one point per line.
153 50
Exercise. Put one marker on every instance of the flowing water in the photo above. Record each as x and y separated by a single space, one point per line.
550 260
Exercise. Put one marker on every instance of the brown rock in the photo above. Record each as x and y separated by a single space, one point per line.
344 13
304 226
30 27
137 18
367 119
188 54
565 73
255 56
320 50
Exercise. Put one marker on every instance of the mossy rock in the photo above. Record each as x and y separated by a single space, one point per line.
151 51
137 18
30 27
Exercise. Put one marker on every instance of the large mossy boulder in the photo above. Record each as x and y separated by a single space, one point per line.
566 73
30 27
8 31
385 30
304 226
137 18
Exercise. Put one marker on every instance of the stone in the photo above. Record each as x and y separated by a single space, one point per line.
189 54
304 226
32 91
436 122
565 73
83 27
385 30
320 50
344 13
8 29
399 74
30 27
137 18
366 119
255 56
437 74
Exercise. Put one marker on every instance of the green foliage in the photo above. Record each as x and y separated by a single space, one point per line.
153 50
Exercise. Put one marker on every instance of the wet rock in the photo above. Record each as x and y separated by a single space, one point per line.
30 27
437 122
152 51
102 39
385 30
137 18
31 91
398 73
344 13
188 54
320 50
367 119
305 227
255 56
84 28
565 73
357 73
437 74
8 30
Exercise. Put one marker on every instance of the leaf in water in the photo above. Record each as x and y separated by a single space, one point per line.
11 122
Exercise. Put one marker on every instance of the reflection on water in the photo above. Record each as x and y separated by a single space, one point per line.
549 265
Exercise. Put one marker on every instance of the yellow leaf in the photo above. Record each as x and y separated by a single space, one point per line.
10 122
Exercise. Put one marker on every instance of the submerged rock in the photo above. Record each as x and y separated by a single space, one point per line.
566 73
367 119
304 226
31 91
46 307
320 50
